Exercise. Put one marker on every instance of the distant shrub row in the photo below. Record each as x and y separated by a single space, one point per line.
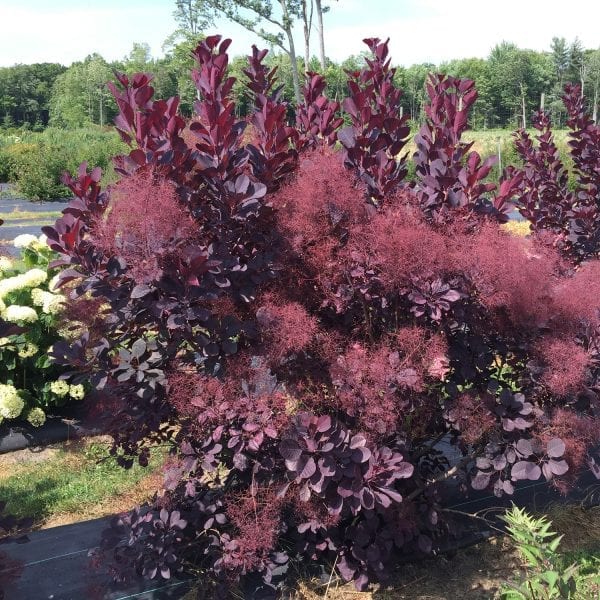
35 161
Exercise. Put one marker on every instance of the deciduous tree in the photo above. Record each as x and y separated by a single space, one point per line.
25 92
79 94
593 78
193 16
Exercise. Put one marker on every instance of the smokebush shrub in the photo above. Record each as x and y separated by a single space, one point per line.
303 327
562 202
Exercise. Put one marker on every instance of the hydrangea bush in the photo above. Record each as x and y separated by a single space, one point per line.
29 381
304 328
11 528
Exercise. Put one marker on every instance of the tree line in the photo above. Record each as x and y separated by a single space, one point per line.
512 82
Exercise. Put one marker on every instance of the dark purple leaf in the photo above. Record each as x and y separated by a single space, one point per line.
290 450
558 467
424 542
480 481
308 469
524 447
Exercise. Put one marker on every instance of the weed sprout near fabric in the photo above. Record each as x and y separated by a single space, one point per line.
300 324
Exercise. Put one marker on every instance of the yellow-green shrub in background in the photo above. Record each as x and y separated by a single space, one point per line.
12 155
35 161
39 172
518 228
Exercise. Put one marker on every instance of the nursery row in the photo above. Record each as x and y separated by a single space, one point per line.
35 162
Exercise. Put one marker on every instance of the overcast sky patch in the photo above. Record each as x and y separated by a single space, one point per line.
430 31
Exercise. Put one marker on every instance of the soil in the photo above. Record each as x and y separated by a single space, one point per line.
475 573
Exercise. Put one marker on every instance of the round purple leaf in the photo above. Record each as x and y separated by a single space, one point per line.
525 448
499 462
480 481
323 423
555 448
308 470
558 467
360 455
525 470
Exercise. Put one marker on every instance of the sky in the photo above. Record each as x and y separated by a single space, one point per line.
431 31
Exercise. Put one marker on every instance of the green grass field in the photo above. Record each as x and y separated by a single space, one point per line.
23 215
78 481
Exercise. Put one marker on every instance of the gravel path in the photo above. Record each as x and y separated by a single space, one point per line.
14 227
8 205
9 201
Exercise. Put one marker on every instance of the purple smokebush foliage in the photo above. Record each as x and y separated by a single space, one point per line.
571 216
378 133
317 119
450 175
310 324
273 156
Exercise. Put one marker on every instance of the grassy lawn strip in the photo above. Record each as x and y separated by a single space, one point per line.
74 484
20 224
21 215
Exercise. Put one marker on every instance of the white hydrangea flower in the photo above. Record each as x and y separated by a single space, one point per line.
77 391
34 277
4 341
38 295
31 279
10 285
2 306
27 350
6 264
53 304
60 388
42 241
36 416
11 404
24 240
20 314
